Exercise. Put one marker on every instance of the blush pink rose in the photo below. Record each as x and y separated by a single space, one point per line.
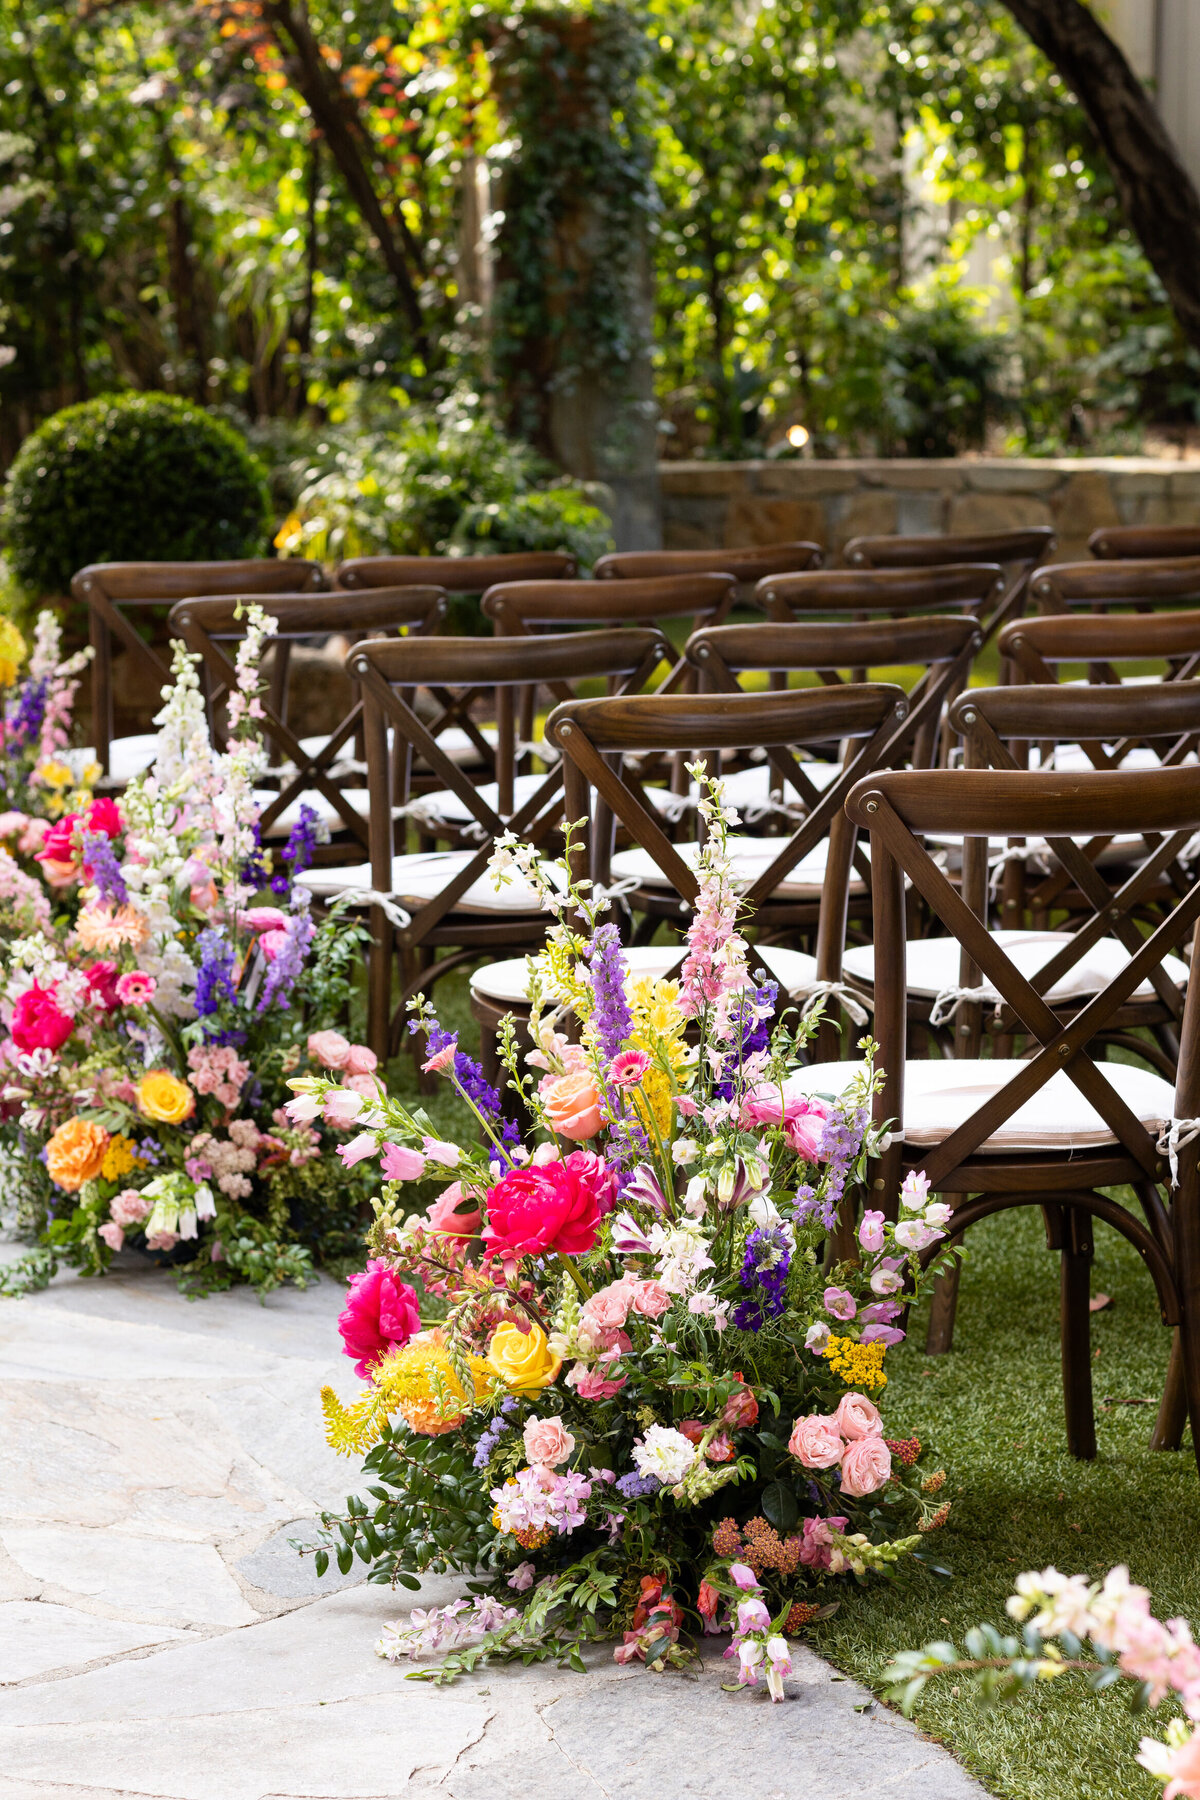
651 1299
606 1312
366 1085
572 1103
816 1442
548 1442
39 1022
452 1216
329 1048
359 1060
866 1467
556 1206
856 1417
381 1315
816 1548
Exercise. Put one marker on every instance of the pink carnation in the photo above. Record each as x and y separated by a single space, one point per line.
130 1208
381 1315
112 1234
601 1381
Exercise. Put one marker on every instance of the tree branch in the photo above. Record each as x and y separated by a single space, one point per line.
1156 191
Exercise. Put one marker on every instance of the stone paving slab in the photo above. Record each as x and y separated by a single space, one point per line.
160 1639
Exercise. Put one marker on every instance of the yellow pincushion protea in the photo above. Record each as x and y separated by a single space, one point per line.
858 1365
12 652
418 1382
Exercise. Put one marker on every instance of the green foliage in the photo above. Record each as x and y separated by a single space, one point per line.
131 477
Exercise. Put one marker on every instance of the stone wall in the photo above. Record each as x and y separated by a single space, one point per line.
724 505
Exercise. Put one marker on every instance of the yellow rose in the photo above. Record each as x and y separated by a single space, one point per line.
164 1097
523 1360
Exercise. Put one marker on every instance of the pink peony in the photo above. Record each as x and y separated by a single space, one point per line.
359 1060
329 1048
816 1550
130 1208
557 1206
136 988
400 1163
816 1442
856 1418
651 1299
39 1022
870 1232
112 1234
548 1442
452 1215
627 1069
381 1315
866 1467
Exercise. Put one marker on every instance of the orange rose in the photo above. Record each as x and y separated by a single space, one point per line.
76 1153
572 1103
162 1096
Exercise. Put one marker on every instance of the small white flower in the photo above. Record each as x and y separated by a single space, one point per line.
664 1453
684 1150
816 1338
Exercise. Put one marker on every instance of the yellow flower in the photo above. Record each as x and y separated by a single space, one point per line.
119 1159
524 1361
418 1382
54 774
12 652
162 1096
858 1365
290 533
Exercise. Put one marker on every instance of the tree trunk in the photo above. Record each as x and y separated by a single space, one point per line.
1156 191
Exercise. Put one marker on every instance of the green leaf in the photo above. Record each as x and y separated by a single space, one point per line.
779 1505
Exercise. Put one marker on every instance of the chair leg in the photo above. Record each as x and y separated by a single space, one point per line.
379 984
1076 1327
1172 1408
939 1338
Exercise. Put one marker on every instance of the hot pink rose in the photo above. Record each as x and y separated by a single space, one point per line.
39 1022
802 1118
136 988
572 1103
856 1418
112 1234
741 1408
381 1315
599 1382
651 1299
815 1548
264 918
57 846
557 1206
329 1048
805 1130
103 815
816 1442
130 1208
359 1060
548 1442
444 1214
866 1466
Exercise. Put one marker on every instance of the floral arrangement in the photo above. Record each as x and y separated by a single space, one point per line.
41 776
1061 1617
159 982
610 1375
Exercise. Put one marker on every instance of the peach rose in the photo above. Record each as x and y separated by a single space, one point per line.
331 1050
816 1442
857 1418
162 1096
572 1103
547 1442
866 1466
75 1153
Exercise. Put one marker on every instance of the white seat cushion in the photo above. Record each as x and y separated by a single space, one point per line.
357 799
128 756
416 879
931 965
1071 758
748 858
508 982
1126 848
939 1096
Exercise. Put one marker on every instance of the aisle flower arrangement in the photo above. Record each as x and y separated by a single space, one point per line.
159 983
610 1375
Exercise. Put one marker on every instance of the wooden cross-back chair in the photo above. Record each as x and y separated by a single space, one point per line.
1039 646
1116 542
746 565
457 574
801 883
1020 551
1138 585
112 592
424 903
313 773
1055 1128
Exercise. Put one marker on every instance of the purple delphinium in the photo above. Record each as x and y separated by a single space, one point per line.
612 1021
288 965
104 871
253 871
841 1142
214 977
299 850
491 1434
638 1487
753 1034
468 1073
764 1269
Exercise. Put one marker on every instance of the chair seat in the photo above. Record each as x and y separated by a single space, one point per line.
748 858
507 982
357 799
419 878
939 1096
932 965
445 808
1126 848
1073 758
128 756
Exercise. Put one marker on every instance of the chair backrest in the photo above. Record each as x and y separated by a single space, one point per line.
970 588
899 809
1117 542
1142 585
747 564
945 646
1038 645
457 574
1020 550
389 670
207 624
109 590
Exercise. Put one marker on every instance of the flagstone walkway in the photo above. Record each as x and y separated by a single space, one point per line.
159 1638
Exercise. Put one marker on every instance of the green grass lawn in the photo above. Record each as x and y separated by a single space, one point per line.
992 1413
